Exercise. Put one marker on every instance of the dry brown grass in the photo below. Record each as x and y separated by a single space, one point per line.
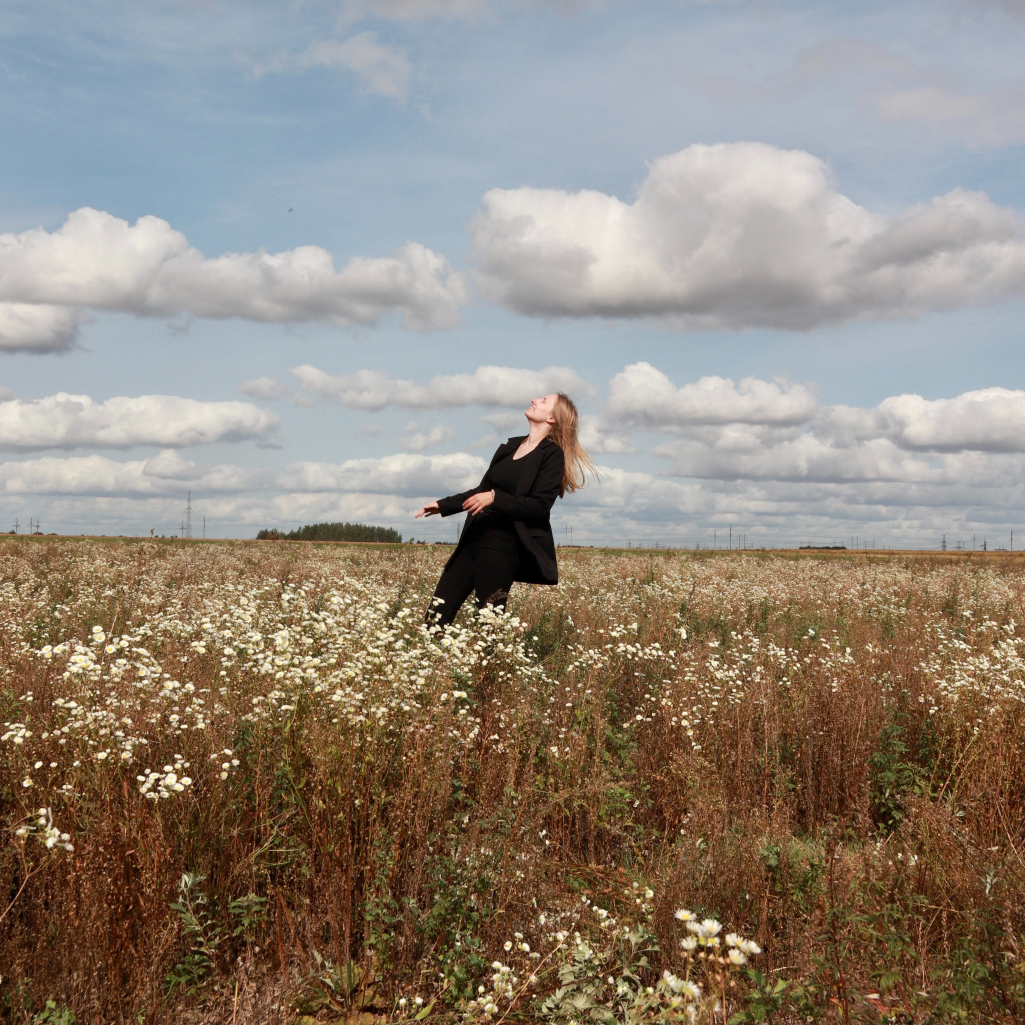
850 791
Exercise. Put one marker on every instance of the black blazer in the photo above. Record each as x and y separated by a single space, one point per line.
540 481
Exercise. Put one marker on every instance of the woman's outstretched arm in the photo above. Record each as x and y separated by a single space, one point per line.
456 503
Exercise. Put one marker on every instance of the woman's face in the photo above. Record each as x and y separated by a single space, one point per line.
543 410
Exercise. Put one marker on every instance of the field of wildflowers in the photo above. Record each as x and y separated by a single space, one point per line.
242 783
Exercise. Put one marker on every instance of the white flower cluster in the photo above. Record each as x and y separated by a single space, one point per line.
503 987
154 785
229 764
704 935
42 828
681 987
17 732
740 949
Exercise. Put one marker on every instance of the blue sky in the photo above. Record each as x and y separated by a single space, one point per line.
631 227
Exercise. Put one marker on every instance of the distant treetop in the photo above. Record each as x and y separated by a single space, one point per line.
333 532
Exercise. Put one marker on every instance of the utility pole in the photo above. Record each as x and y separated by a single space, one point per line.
187 526
731 537
973 542
204 526
715 541
943 545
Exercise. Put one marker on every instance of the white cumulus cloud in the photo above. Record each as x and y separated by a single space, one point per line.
28 328
986 420
415 440
166 421
486 386
775 431
402 476
641 395
747 455
741 235
98 261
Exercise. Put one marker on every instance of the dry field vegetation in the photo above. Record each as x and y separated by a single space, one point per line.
240 783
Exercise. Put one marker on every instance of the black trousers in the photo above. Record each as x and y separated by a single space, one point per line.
490 571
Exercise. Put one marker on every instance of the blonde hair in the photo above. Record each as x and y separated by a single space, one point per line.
564 434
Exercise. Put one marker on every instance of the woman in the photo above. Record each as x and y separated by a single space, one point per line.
507 535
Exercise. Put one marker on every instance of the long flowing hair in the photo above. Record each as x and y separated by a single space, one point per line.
564 434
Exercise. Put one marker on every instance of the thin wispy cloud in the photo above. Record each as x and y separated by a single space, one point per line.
487 386
377 67
267 388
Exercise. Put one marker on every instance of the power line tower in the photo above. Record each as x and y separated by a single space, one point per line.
187 532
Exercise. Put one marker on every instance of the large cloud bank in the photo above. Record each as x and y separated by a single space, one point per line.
741 235
762 430
761 454
99 262
726 236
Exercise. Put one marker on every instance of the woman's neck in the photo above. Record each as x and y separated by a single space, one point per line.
538 433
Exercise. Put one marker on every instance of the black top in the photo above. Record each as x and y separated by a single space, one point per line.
506 474
496 530
528 505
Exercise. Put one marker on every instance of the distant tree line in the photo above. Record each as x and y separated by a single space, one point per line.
333 532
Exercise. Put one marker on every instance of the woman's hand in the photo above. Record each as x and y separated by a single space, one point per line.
477 503
430 509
